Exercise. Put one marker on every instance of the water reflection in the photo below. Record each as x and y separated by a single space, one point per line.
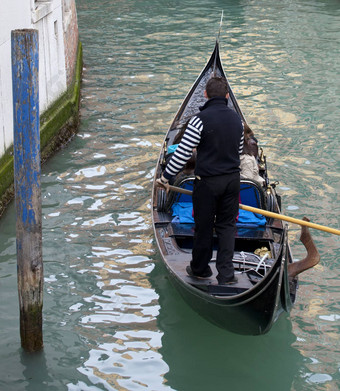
201 356
130 361
36 379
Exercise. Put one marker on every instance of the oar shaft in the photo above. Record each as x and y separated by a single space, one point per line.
180 190
272 214
290 219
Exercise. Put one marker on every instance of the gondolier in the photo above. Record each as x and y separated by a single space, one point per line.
217 133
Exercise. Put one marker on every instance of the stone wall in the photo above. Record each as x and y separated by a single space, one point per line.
70 37
60 69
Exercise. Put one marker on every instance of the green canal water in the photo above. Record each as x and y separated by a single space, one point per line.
112 320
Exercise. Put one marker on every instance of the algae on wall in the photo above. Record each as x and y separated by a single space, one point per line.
57 126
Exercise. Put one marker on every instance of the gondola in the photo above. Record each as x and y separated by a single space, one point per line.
262 253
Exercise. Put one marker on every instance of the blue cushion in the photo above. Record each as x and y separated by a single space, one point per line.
250 219
182 211
250 195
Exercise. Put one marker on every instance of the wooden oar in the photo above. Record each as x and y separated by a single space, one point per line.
272 214
180 190
290 219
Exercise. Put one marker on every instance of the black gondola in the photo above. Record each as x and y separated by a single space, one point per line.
263 290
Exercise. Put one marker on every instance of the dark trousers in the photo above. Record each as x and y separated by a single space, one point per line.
216 204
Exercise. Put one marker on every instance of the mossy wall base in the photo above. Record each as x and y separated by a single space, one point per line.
57 126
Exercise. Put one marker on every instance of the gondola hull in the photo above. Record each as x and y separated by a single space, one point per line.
263 291
251 313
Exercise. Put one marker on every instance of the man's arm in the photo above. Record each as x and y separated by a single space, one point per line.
190 140
240 148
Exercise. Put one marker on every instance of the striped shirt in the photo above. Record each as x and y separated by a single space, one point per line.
190 140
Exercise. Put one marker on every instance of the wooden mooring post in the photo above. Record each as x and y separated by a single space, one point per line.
25 80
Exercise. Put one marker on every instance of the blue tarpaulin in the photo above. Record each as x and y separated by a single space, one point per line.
250 219
182 213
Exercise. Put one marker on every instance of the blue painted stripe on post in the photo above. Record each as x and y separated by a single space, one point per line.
25 82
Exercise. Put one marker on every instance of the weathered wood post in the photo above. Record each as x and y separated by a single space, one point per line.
25 78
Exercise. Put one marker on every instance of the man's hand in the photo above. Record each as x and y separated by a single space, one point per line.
163 183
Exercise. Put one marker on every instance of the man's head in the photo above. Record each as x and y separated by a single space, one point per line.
216 87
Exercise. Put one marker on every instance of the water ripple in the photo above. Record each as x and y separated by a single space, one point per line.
111 319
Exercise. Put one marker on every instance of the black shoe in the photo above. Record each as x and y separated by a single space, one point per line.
228 282
204 276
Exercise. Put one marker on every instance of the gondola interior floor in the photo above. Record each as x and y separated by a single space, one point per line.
210 284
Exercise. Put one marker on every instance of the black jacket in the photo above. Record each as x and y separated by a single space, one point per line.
221 141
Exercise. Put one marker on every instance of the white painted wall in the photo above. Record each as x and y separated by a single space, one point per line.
47 18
